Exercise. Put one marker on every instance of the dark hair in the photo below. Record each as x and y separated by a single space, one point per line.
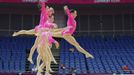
51 15
72 10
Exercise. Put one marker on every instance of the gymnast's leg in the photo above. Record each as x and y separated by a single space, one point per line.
26 32
73 42
38 61
48 63
69 38
51 58
46 58
33 49
50 53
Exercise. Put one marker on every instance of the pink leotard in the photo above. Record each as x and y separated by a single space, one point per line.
50 38
45 35
44 20
43 17
49 25
71 24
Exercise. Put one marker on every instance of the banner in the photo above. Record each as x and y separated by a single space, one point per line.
69 1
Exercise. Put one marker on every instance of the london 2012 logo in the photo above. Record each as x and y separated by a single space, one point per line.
106 1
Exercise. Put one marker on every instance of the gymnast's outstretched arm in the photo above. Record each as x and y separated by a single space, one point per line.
44 14
56 44
43 18
67 11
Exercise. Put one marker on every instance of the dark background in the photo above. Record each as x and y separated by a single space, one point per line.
97 19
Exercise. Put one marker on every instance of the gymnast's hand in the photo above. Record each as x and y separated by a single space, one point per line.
65 7
47 7
57 44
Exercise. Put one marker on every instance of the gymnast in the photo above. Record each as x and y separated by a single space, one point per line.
43 24
43 42
46 13
67 32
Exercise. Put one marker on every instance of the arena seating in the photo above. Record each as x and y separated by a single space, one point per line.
110 54
13 53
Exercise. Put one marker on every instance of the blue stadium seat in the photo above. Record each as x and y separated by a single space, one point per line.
109 55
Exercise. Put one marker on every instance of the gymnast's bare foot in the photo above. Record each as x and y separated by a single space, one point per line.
14 34
39 73
30 60
89 56
47 73
36 69
51 70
